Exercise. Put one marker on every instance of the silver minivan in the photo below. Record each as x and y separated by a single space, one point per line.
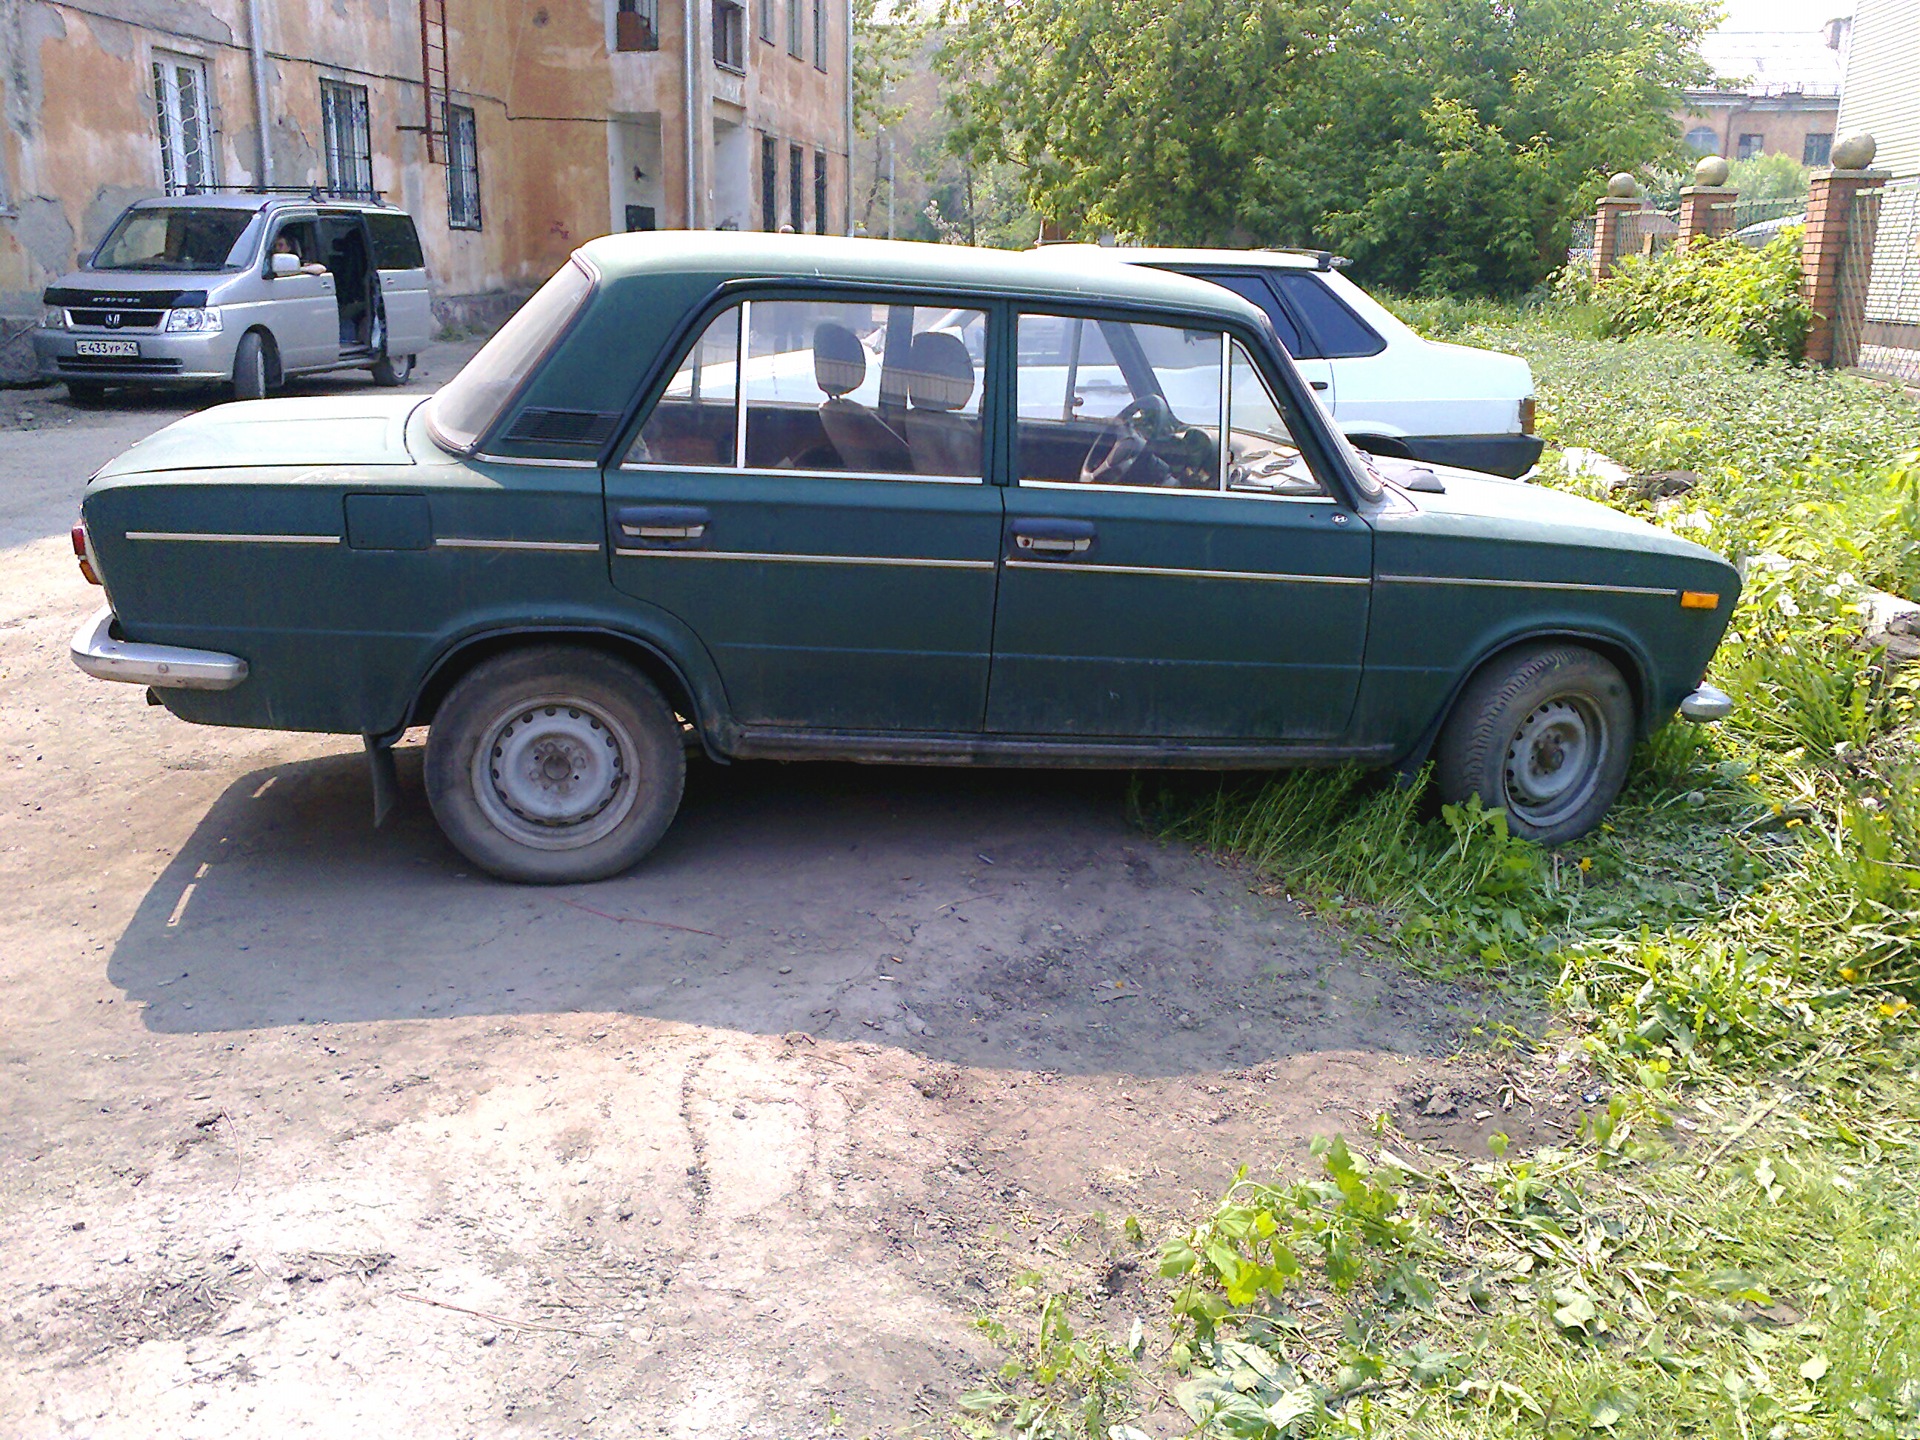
240 289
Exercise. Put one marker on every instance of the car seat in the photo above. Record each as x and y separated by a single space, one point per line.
864 441
939 384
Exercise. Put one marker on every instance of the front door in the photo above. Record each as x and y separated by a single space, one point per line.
1156 583
303 312
818 515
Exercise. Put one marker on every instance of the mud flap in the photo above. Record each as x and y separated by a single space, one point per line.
386 778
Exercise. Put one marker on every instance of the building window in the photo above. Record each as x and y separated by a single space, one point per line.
1817 149
1703 140
769 183
348 140
182 115
820 33
729 36
1750 146
636 25
463 169
820 192
766 20
796 23
797 186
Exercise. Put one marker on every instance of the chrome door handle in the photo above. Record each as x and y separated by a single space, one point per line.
1048 537
665 525
664 532
1048 545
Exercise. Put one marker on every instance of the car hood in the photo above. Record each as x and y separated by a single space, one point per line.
133 287
356 430
1476 505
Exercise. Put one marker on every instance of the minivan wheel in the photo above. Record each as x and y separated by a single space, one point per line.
250 367
386 372
1545 735
554 766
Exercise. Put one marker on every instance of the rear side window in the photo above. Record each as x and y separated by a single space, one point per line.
1337 333
467 404
396 244
1255 288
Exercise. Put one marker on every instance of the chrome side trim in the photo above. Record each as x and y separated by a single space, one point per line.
167 667
1175 490
656 467
227 538
1527 585
1075 566
1706 705
539 461
914 562
569 547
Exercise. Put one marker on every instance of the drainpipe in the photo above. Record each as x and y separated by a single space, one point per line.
690 39
847 229
260 112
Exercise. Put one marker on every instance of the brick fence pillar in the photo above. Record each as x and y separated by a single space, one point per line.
1823 252
1706 211
1610 239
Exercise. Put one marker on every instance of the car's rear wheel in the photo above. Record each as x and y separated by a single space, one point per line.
1544 734
250 367
554 765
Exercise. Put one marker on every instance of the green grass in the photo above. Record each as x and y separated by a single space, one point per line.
1733 1247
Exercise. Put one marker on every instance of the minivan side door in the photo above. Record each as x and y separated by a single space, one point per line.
302 310
404 290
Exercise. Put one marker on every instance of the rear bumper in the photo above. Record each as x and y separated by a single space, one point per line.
1508 455
1706 704
167 667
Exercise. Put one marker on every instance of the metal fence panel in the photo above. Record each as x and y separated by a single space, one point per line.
1888 338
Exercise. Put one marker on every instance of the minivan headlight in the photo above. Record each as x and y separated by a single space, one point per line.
207 319
55 318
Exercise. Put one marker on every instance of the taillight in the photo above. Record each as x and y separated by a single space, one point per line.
1526 416
83 552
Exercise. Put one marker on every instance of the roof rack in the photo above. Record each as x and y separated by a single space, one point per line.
309 192
1322 259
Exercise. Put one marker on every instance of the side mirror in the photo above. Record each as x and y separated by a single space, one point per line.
283 264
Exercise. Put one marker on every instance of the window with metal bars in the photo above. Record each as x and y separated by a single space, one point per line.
797 186
769 183
820 192
463 168
348 138
182 117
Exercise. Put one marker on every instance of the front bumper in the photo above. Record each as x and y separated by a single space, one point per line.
182 357
1706 704
167 667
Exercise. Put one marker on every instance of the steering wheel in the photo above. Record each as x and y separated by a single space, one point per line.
1124 439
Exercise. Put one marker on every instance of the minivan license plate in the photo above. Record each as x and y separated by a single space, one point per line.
107 347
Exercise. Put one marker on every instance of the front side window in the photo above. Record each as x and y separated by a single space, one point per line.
463 168
175 238
1110 402
348 138
467 404
826 387
182 116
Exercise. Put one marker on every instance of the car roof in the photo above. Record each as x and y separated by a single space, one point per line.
727 255
1169 255
251 200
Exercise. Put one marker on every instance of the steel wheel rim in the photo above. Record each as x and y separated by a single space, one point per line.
1554 760
556 773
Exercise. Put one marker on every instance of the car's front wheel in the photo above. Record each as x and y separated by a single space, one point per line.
554 765
1545 735
250 367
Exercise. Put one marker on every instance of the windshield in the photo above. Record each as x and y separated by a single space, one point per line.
176 238
468 403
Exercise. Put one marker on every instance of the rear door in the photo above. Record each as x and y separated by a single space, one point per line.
841 577
1154 587
404 291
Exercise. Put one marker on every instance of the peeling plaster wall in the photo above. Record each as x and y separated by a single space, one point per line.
78 137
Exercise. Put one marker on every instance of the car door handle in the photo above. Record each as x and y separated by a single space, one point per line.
1318 384
663 524
1051 539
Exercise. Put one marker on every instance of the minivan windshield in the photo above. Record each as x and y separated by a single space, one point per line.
175 238
467 404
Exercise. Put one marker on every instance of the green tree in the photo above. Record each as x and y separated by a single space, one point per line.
1444 144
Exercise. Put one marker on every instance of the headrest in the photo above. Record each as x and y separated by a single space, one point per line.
939 372
839 360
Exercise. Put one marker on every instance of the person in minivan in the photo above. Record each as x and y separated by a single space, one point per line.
284 245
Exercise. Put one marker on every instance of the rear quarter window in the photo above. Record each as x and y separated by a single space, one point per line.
1337 333
396 244
1254 288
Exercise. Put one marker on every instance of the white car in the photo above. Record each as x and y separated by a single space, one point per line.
1391 390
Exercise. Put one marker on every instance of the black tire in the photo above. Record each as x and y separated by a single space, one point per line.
554 765
385 372
1544 734
86 392
250 367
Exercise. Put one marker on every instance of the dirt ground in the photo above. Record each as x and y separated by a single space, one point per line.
305 1129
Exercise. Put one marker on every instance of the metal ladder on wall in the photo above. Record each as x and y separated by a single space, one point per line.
433 74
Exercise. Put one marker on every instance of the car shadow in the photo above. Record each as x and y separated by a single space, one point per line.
993 918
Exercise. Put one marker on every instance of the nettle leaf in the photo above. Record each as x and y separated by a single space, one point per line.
1814 1369
1610 1407
1574 1310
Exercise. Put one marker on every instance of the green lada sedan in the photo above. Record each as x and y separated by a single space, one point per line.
795 497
